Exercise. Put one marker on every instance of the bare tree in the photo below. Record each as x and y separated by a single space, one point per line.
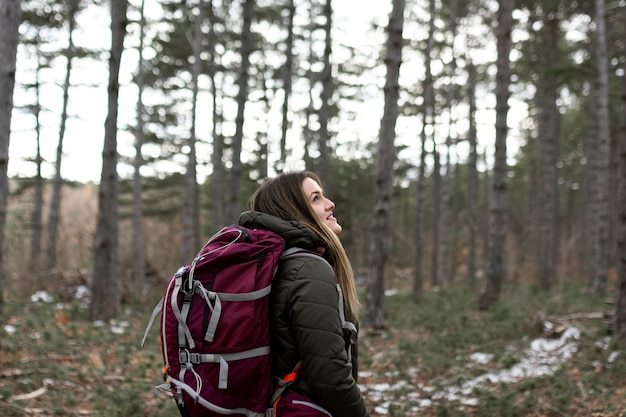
497 213
381 231
547 95
242 98
139 262
619 319
34 267
599 162
191 205
427 120
105 286
218 216
10 16
287 84
323 169
54 211
472 174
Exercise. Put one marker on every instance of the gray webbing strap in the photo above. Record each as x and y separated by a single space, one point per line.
155 312
346 324
186 357
216 309
210 405
184 334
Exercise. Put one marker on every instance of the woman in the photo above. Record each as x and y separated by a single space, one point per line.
307 326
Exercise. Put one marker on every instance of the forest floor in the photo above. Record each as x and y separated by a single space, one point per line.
531 355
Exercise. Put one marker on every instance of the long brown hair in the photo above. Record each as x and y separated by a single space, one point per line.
283 196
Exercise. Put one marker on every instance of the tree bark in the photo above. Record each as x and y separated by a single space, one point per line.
472 176
54 212
139 261
547 95
599 164
218 209
498 208
323 167
105 301
10 16
619 318
242 98
36 266
191 205
383 187
427 120
287 84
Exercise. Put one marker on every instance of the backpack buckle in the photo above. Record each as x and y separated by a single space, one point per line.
184 356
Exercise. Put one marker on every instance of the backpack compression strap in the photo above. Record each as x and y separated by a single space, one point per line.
281 385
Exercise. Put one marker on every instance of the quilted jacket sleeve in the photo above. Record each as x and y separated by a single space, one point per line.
312 300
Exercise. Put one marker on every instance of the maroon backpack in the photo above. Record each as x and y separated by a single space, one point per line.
215 328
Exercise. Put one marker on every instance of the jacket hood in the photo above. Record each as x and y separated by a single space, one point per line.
295 233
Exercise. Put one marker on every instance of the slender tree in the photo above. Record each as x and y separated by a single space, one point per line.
383 186
139 261
548 140
472 175
427 120
599 162
105 286
54 212
498 208
323 169
287 73
236 173
619 319
38 183
218 216
10 16
191 205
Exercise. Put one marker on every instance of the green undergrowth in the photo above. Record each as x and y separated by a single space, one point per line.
54 361
435 339
77 366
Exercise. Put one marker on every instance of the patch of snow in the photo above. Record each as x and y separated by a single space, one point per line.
391 292
482 358
118 327
42 296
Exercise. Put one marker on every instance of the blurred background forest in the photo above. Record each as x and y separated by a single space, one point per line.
484 144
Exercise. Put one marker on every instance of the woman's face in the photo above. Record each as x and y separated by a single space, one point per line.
322 206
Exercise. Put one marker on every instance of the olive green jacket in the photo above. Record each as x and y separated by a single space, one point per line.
306 324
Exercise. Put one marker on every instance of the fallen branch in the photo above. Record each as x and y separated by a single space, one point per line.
37 393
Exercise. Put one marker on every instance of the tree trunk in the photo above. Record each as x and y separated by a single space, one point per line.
242 97
427 120
497 213
287 83
10 17
218 210
54 211
323 168
381 232
443 247
436 223
472 176
599 164
105 286
619 319
36 266
191 204
547 95
139 261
